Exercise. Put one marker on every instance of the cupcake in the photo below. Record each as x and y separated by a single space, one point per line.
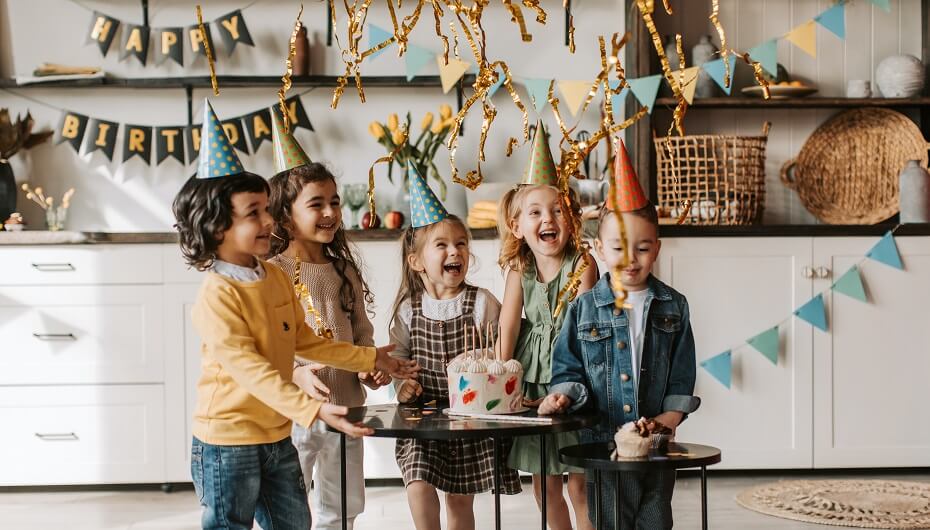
631 441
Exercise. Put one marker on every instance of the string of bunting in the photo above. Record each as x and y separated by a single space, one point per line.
814 312
135 39
86 134
644 89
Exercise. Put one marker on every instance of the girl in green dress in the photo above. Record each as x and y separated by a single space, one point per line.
539 255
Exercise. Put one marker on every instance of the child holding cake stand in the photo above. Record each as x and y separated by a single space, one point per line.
538 252
434 307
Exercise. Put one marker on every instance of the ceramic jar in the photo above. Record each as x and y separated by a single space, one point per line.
900 76
914 193
704 51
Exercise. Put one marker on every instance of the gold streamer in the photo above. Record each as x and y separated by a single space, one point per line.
570 290
289 70
303 295
516 15
371 175
668 6
571 34
724 51
208 51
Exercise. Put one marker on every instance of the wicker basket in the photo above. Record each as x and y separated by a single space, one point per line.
724 176
847 171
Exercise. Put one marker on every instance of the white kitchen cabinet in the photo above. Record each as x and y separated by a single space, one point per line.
81 334
735 289
81 264
870 370
82 434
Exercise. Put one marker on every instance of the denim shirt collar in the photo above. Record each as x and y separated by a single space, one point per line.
604 294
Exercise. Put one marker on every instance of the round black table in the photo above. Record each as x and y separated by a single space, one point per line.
597 456
430 423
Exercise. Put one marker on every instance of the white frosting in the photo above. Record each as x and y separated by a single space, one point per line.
513 366
496 368
477 367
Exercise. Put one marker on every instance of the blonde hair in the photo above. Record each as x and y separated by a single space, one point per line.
412 241
515 253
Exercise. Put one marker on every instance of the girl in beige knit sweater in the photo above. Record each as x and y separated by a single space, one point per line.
306 207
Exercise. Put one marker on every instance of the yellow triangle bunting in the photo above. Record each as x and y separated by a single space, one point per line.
574 93
450 73
688 80
804 37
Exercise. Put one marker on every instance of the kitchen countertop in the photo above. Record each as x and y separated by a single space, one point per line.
41 237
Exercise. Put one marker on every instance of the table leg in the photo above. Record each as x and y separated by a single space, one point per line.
342 478
597 500
618 509
543 477
497 483
704 497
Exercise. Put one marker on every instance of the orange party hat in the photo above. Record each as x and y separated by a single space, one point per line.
630 196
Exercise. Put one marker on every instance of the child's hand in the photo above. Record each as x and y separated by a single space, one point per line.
670 419
374 380
305 377
409 391
554 404
335 417
395 367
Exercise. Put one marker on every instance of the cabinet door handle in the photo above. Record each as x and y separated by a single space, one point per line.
53 267
823 272
54 336
57 436
807 272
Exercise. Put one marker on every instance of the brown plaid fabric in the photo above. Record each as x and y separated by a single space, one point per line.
462 467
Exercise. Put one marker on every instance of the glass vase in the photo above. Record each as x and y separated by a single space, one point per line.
55 218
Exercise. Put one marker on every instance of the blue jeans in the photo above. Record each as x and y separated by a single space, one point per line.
646 499
238 483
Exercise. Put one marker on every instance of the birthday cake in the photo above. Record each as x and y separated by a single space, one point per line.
479 384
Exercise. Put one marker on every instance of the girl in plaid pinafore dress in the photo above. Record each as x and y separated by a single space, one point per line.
433 305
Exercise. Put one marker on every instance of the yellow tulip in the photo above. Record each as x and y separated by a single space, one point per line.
376 130
448 122
427 121
445 111
398 137
437 127
392 122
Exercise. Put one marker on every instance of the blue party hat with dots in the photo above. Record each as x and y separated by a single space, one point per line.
217 158
425 208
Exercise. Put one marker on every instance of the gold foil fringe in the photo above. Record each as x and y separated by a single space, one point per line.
289 70
207 49
303 295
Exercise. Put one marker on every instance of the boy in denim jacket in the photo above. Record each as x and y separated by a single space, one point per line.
627 364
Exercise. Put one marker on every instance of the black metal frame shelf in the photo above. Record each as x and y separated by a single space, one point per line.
795 103
234 81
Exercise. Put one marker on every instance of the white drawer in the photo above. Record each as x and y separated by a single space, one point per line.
82 435
81 334
81 264
176 270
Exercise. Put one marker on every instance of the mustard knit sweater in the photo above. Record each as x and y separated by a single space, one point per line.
251 332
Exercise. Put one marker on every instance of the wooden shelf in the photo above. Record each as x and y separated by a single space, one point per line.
795 103
233 81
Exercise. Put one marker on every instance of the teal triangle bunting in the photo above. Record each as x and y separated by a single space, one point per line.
645 89
886 251
813 312
717 71
767 344
767 55
539 92
720 366
850 284
834 19
500 81
415 59
377 35
884 4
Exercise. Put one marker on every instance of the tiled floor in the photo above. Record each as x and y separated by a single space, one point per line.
150 509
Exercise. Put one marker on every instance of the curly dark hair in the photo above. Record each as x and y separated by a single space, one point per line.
285 187
203 211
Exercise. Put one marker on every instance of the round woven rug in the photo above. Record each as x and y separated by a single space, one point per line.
860 503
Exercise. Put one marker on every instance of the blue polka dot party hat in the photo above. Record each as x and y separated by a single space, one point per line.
217 158
425 208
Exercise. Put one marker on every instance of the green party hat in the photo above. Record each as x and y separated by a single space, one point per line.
425 208
287 152
541 168
217 158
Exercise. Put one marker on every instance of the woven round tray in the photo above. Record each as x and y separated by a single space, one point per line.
847 171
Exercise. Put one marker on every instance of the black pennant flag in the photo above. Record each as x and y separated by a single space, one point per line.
233 30
192 141
236 135
100 135
169 141
196 40
137 141
102 30
169 42
296 114
71 129
135 42
258 124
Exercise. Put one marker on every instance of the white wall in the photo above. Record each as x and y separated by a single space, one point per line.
871 35
135 197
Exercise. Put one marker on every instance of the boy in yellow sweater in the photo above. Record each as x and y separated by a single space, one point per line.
243 464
